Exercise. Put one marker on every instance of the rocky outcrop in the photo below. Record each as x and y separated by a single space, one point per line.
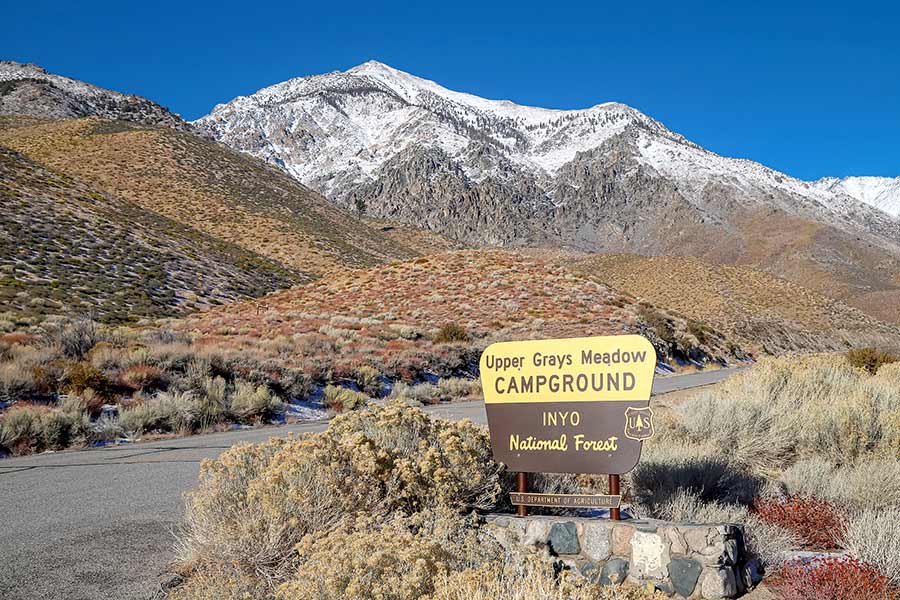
29 90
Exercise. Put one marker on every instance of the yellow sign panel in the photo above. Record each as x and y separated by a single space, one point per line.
591 369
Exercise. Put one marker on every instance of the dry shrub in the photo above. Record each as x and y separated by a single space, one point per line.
870 359
369 380
143 377
869 484
668 468
17 382
787 408
832 579
816 523
873 537
340 399
451 332
212 402
446 390
164 412
530 580
74 338
28 428
254 503
82 376
222 584
395 560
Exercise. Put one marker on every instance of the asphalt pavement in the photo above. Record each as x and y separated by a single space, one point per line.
98 524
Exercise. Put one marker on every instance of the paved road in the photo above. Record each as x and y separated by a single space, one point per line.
97 524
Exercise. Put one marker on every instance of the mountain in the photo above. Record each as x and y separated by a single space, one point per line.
66 248
29 90
207 187
881 192
606 178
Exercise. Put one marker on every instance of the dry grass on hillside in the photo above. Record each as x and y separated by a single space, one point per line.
67 249
206 186
390 314
773 313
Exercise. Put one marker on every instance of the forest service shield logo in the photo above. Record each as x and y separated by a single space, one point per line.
638 423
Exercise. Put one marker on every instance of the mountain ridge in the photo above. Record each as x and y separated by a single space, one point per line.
29 90
603 179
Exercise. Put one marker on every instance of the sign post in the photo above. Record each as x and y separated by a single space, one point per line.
579 405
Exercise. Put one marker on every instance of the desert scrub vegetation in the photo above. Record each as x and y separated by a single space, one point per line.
408 319
870 359
382 505
231 201
65 246
752 307
79 383
155 380
802 450
529 579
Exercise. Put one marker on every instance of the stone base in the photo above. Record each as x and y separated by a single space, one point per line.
682 560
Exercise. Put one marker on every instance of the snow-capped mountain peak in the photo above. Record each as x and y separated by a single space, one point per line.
374 131
881 192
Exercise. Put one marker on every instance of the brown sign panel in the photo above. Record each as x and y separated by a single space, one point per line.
577 405
565 500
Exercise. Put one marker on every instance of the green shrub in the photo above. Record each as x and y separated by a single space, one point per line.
29 428
451 332
341 399
250 404
369 380
81 376
870 359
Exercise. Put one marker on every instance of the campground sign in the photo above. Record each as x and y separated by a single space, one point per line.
578 405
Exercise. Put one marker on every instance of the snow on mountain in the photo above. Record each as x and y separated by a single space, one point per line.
881 192
336 131
355 121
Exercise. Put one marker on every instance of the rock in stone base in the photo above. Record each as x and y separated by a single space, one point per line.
718 583
564 538
614 572
684 574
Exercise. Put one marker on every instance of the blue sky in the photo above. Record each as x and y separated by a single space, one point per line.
812 89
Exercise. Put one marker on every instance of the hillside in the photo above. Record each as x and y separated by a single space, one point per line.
66 248
763 311
30 91
606 178
203 185
391 315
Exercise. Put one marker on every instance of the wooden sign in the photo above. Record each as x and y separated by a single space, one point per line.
578 405
564 500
